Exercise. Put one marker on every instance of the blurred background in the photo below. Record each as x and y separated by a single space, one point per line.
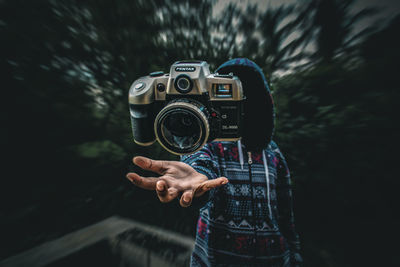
66 68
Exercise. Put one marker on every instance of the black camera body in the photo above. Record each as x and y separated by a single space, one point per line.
186 108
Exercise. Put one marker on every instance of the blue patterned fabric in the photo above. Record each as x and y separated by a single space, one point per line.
225 228
228 233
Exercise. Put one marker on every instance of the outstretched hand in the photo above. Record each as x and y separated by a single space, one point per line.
176 178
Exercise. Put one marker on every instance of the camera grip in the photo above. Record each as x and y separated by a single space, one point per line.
142 118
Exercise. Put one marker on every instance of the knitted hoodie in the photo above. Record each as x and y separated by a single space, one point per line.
249 221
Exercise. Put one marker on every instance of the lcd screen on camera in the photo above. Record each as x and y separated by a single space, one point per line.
222 90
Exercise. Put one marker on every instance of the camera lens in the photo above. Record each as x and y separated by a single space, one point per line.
187 121
178 131
183 83
181 127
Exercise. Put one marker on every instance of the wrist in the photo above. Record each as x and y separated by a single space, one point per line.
204 171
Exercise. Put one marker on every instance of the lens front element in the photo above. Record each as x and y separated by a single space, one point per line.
182 127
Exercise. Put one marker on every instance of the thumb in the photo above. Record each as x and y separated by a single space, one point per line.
210 184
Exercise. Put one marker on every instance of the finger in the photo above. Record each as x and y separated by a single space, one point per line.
186 198
171 194
161 188
210 184
158 166
148 183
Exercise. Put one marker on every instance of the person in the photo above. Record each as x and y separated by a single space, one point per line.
243 188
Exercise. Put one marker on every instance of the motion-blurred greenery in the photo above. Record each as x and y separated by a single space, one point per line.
67 67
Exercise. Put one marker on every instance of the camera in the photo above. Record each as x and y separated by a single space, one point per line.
186 108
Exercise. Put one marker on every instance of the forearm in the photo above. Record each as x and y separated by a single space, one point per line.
203 162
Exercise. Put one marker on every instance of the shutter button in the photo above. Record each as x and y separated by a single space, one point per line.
156 74
139 86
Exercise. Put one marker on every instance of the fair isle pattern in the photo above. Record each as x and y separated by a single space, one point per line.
228 233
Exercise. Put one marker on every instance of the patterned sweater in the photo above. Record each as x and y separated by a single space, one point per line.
249 221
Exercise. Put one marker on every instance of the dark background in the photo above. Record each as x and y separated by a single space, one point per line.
66 68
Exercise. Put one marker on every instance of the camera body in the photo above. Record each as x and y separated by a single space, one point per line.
186 108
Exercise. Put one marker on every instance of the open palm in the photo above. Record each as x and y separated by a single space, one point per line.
176 178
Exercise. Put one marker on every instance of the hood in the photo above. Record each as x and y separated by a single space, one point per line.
259 112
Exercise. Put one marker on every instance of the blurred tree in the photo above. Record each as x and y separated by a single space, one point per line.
46 111
336 123
271 38
332 27
67 70
192 30
108 56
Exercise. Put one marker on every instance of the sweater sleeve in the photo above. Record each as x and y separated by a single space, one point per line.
204 161
285 208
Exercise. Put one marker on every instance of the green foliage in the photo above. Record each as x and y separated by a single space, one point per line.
104 151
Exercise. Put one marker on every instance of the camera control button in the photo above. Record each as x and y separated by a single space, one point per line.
156 74
139 86
161 87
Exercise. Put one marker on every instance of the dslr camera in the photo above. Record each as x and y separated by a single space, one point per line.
186 108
